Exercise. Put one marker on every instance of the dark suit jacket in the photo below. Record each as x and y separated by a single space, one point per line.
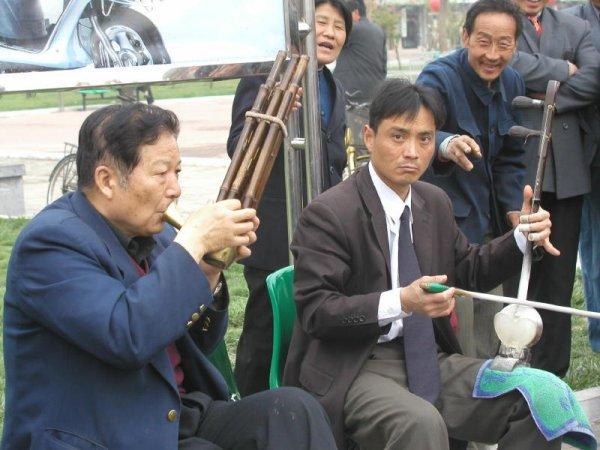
587 12
342 266
270 252
362 63
85 337
482 197
564 38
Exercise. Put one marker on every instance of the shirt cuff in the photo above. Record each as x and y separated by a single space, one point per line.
443 149
521 240
390 307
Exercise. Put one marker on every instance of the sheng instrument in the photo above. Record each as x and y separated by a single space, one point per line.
259 143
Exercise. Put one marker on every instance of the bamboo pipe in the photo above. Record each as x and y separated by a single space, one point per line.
247 166
260 102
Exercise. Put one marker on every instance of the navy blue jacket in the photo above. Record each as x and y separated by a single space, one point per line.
270 251
85 337
480 198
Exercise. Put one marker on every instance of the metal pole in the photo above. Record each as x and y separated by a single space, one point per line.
312 117
293 155
301 39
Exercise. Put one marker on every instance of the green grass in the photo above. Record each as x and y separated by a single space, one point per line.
585 364
19 101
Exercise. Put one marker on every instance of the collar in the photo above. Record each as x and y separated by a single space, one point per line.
393 205
138 247
481 89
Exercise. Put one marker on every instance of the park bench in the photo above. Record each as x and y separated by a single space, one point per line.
85 92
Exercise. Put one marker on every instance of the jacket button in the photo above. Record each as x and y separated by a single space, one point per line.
331 170
202 308
565 126
189 324
172 415
195 317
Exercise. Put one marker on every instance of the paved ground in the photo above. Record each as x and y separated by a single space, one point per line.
36 139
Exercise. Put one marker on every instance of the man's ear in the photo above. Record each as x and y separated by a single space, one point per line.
368 137
464 37
106 180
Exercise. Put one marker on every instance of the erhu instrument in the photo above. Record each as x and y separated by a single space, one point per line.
519 326
510 322
259 143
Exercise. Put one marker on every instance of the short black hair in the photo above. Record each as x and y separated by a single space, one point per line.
114 134
362 9
343 9
398 97
507 7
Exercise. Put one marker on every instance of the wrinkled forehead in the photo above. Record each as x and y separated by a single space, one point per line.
165 149
494 25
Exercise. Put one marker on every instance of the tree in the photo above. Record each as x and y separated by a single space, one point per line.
388 18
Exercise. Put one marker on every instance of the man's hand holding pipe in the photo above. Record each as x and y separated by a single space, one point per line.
217 226
536 226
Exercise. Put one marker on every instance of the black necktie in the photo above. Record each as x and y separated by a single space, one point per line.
422 370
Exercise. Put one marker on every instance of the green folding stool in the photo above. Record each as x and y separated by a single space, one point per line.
280 285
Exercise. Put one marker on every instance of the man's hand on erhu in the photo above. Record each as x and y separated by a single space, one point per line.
536 226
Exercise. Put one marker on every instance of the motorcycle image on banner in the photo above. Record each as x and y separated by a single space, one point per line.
94 33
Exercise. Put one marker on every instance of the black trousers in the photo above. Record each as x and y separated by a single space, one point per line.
286 418
552 280
253 356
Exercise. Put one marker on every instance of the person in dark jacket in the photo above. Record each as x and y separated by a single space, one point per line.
477 86
372 347
108 316
362 63
333 24
589 237
558 46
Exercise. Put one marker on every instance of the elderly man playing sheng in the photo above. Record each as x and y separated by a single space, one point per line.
374 348
108 316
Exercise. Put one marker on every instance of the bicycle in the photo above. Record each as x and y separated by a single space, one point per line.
63 178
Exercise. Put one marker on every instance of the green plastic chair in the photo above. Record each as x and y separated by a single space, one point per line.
220 359
280 285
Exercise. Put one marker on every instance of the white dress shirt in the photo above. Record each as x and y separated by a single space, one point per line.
390 303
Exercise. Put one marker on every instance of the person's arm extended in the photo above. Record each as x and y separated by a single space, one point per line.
65 288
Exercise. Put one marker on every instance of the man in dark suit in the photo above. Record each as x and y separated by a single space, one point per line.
271 251
108 316
589 238
362 63
365 344
555 45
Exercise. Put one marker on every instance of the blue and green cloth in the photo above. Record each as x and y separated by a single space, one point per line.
552 403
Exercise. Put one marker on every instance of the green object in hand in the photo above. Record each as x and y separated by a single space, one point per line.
434 288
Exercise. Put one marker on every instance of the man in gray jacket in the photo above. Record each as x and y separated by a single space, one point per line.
558 46
589 244
362 63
